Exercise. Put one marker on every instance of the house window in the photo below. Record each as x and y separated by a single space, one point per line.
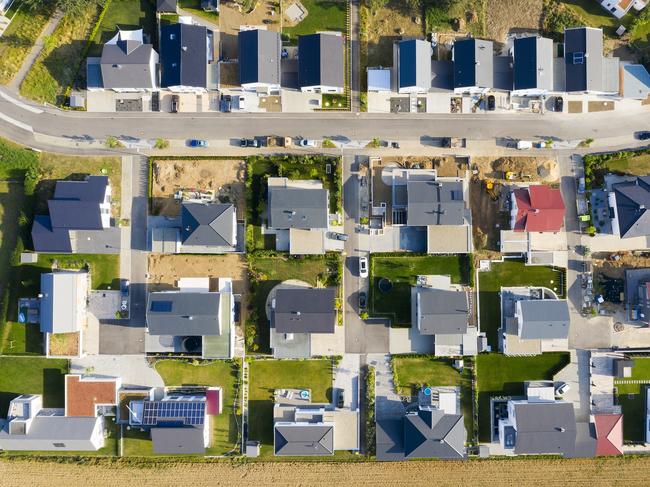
578 58
172 36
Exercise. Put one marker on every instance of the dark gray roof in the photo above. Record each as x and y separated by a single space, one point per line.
76 203
414 64
183 313
430 433
435 203
583 59
442 75
390 440
320 60
259 56
297 208
305 311
473 61
632 205
545 428
303 439
545 319
166 6
127 64
178 441
49 239
93 188
183 55
208 224
533 63
442 312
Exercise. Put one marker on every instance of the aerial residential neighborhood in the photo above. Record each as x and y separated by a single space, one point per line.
305 242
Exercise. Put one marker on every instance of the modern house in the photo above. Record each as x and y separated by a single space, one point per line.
609 434
79 426
298 215
442 310
412 64
418 198
435 429
473 65
300 317
303 428
321 63
532 65
184 57
534 321
629 203
208 228
192 319
63 297
128 64
178 424
586 68
537 209
637 295
618 8
79 219
259 60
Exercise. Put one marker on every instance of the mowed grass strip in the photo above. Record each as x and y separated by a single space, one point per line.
323 15
632 398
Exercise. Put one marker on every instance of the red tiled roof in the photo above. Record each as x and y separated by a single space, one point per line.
539 209
609 434
81 396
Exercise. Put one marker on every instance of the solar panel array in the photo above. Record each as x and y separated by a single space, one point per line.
185 412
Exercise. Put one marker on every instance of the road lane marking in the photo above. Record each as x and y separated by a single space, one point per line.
18 124
20 104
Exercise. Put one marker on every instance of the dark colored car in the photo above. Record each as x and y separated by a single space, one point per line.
559 104
645 135
341 236
198 143
362 300
491 103
340 400
175 102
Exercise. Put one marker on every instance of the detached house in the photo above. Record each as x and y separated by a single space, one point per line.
587 70
184 57
259 60
629 203
412 61
208 228
321 65
532 65
79 219
473 65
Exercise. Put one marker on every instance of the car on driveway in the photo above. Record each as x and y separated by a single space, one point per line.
363 267
307 143
491 103
559 104
644 135
198 143
340 400
341 236
363 300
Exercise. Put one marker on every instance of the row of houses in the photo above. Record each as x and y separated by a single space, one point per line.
531 66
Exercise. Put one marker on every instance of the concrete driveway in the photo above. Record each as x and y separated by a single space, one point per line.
134 371
346 379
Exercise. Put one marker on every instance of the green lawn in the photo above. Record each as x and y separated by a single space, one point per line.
32 375
225 374
267 375
61 59
507 274
323 15
412 373
596 16
499 375
136 443
269 271
402 270
637 165
632 398
18 39
194 8
127 15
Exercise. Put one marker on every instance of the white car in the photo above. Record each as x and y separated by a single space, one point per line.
562 389
363 267
307 143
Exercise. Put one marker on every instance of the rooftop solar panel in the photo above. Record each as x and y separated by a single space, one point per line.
175 412
161 306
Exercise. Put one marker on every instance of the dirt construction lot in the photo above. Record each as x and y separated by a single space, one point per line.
504 15
526 169
223 176
604 471
231 19
445 166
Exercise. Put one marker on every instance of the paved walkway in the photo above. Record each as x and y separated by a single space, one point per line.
36 51
134 370
346 379
387 403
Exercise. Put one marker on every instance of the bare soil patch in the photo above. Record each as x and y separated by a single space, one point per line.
504 16
446 166
231 19
596 472
540 169
64 344
169 176
614 265
487 218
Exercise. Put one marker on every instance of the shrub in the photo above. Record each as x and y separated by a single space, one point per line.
113 142
161 143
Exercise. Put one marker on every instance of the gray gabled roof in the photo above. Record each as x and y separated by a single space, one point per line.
297 207
632 205
58 312
48 239
533 63
259 56
545 428
305 311
442 312
414 56
583 59
183 55
473 63
128 64
320 60
178 441
183 313
545 319
430 433
56 428
303 439
435 203
76 204
208 224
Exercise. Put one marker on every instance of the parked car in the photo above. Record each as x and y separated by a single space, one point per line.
249 143
393 144
307 143
340 400
363 300
175 103
491 103
524 144
562 389
644 135
363 267
341 236
559 104
198 143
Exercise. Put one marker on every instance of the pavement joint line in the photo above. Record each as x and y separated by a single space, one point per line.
16 123
20 104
